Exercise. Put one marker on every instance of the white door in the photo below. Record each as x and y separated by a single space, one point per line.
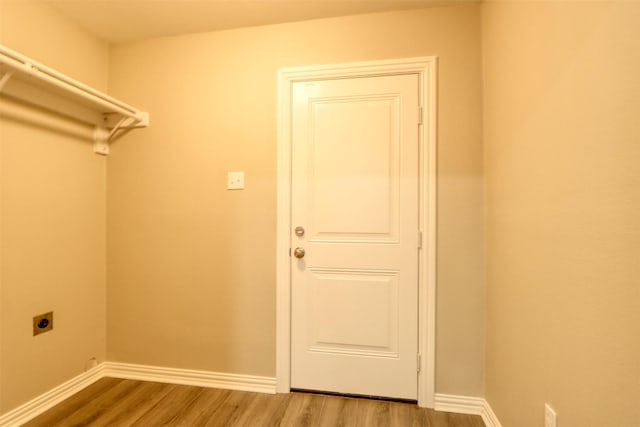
355 165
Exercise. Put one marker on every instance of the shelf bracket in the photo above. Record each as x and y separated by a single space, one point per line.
101 140
103 134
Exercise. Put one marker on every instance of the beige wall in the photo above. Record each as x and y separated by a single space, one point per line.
562 137
191 270
52 217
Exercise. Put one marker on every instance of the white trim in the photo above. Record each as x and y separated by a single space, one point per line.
459 404
427 263
45 401
35 407
467 405
190 377
425 67
489 417
283 243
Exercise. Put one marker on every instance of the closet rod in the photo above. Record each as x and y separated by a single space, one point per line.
23 64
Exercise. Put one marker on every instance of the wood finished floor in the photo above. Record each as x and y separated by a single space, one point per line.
118 403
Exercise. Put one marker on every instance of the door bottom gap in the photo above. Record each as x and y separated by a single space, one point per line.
355 396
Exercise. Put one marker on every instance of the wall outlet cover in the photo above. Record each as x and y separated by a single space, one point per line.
42 323
235 180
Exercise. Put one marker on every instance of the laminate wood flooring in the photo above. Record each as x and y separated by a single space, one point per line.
122 403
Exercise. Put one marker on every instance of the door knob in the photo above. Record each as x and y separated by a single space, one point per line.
298 252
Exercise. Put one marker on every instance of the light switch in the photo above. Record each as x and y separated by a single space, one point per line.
235 180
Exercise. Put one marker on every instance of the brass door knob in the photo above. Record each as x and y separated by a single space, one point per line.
298 252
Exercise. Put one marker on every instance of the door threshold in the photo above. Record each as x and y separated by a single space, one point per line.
354 396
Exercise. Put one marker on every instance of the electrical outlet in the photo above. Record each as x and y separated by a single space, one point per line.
550 416
42 323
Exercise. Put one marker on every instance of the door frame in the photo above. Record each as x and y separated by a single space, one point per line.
425 68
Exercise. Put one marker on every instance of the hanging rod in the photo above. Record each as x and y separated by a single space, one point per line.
15 64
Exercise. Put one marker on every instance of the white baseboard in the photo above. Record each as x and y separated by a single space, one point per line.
489 417
35 407
190 377
467 405
459 404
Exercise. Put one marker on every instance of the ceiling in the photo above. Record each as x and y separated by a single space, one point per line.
118 21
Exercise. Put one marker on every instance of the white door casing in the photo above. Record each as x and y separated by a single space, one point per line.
354 293
328 240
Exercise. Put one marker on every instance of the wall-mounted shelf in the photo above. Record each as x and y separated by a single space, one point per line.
23 78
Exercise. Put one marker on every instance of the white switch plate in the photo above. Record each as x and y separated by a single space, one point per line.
235 180
550 416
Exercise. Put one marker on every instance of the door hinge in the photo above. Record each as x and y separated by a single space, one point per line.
419 239
420 114
419 364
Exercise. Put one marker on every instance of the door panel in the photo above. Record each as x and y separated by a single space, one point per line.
341 323
355 192
340 185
